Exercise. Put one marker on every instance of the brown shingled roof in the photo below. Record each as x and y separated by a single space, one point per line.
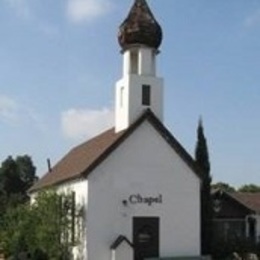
81 160
73 164
250 200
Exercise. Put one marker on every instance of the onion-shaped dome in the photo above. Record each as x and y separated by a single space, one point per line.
140 27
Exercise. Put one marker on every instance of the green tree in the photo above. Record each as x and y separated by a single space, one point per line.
249 188
10 181
16 176
203 165
27 171
223 186
42 229
15 224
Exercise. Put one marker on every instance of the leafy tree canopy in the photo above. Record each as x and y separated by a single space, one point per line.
27 171
253 188
16 177
223 186
249 188
43 230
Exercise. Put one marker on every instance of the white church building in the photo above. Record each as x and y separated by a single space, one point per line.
138 187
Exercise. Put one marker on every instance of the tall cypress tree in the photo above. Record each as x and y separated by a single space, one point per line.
203 165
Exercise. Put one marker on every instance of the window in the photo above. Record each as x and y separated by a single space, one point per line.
122 96
67 217
146 95
134 62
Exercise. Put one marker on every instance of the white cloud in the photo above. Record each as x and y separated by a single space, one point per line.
86 10
8 108
85 123
21 7
253 19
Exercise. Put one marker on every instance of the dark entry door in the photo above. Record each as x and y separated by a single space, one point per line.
145 237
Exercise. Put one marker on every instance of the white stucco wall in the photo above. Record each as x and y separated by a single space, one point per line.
147 62
143 164
143 64
123 252
128 92
80 187
129 106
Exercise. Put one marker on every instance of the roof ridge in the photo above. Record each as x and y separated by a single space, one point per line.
84 158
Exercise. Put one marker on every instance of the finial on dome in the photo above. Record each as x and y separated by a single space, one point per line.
140 27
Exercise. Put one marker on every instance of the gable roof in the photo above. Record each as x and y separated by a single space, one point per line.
120 239
248 200
81 160
76 161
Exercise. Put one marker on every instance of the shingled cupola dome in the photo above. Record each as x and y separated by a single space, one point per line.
140 27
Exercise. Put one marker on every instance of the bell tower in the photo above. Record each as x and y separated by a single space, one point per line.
139 36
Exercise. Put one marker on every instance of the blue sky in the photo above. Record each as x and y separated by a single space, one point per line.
59 61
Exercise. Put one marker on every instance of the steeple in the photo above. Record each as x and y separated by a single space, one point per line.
139 36
140 27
